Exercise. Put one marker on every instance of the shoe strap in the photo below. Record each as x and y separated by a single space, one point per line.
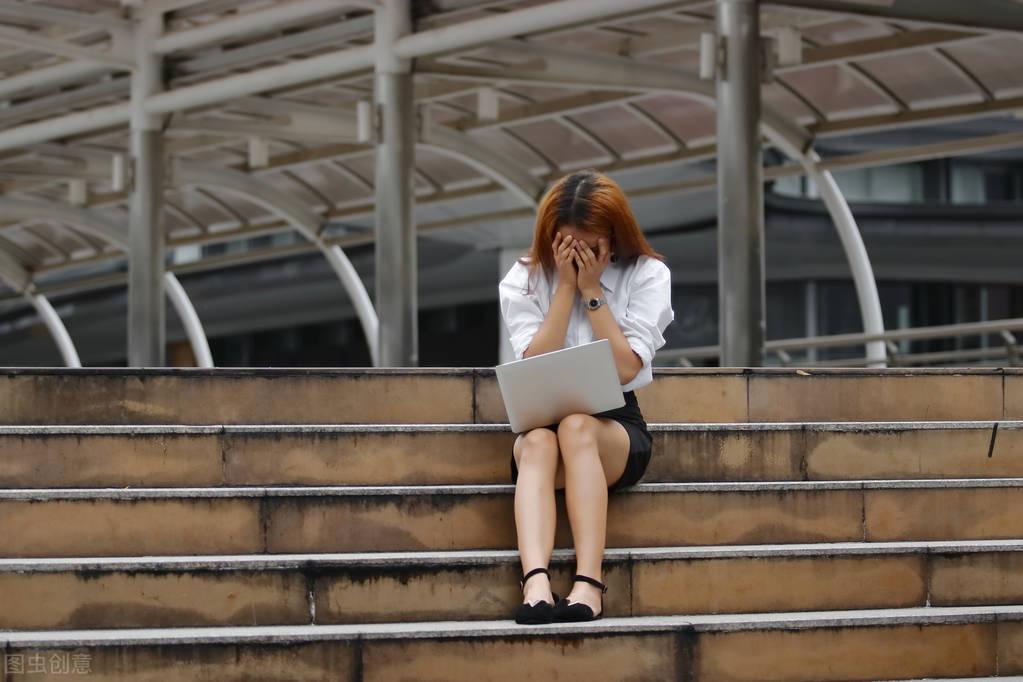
522 582
591 581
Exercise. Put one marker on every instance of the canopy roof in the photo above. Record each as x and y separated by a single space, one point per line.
498 120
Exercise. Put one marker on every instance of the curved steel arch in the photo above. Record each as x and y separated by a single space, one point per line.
301 218
114 230
471 151
110 229
570 67
17 276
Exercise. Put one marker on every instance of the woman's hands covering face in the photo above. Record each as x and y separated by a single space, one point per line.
564 258
591 265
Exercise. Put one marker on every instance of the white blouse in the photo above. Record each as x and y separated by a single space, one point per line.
638 295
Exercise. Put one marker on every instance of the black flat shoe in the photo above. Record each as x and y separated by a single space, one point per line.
566 612
540 613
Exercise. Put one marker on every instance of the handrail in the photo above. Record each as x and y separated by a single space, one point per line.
781 347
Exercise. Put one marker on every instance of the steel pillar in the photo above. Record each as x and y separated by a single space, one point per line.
740 186
396 281
146 307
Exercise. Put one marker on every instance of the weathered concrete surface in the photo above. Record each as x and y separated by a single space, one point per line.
848 654
930 514
307 662
82 599
1013 394
825 646
105 527
439 454
874 395
650 657
437 395
100 460
368 458
265 590
236 396
396 523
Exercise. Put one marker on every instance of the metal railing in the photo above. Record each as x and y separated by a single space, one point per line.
1006 351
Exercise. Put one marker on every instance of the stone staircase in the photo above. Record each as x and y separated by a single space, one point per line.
357 525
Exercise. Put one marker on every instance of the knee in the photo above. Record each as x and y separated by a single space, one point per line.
577 434
539 447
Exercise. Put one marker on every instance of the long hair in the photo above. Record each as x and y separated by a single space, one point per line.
589 201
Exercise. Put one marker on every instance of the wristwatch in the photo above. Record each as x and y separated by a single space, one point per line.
595 303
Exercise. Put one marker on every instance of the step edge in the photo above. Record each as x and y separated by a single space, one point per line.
279 634
467 558
660 427
286 491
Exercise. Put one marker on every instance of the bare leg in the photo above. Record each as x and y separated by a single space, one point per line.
594 452
537 458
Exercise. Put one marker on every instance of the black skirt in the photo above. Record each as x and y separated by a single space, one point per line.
640 441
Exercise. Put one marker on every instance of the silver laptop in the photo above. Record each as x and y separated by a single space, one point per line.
546 388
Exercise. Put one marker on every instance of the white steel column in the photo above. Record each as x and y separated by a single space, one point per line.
350 280
396 281
189 320
146 307
826 188
856 253
741 289
56 328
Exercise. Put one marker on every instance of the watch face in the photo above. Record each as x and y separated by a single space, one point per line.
594 303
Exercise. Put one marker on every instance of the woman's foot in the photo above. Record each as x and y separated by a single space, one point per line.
538 607
538 589
584 593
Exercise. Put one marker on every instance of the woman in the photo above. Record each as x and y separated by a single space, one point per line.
590 274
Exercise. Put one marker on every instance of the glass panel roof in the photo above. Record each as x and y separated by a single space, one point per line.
996 62
545 126
837 91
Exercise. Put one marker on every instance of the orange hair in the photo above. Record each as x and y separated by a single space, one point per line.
589 201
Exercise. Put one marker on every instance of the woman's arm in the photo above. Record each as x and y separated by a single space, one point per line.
604 326
551 334
591 266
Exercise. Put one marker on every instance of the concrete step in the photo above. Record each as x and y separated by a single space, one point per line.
425 586
354 396
246 520
821 646
439 454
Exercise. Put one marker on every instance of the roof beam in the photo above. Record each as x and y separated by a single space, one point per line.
254 22
37 43
905 119
887 46
287 129
37 80
331 65
61 101
35 12
998 16
331 34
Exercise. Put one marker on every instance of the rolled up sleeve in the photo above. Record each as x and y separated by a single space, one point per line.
649 311
520 309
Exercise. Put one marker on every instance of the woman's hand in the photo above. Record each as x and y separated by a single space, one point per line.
591 265
564 251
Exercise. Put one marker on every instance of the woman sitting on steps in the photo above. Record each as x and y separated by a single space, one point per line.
590 274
